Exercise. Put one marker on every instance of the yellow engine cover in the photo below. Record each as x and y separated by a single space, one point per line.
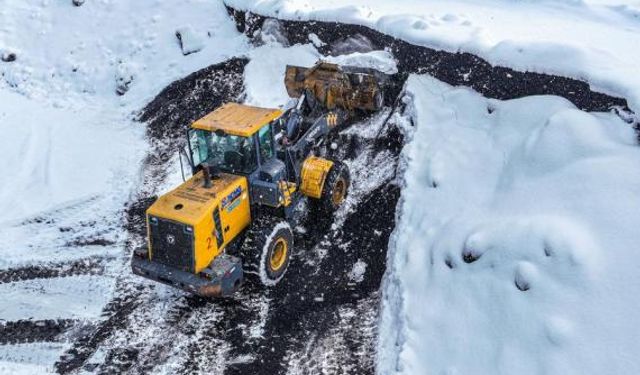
194 205
314 173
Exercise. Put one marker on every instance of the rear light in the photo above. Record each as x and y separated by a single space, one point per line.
140 253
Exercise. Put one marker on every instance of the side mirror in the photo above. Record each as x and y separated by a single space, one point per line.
193 149
183 153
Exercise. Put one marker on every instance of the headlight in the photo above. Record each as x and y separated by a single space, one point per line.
153 220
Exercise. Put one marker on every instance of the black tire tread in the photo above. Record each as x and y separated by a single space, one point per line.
252 249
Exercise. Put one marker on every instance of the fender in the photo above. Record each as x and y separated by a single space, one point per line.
314 173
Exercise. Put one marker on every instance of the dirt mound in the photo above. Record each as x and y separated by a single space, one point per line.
170 113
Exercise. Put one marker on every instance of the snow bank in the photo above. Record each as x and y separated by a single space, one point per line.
69 140
68 136
54 157
264 74
589 40
515 247
64 50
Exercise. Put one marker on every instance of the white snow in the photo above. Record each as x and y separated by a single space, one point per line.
190 40
35 358
379 60
65 51
358 271
598 41
55 156
264 74
71 297
316 40
543 201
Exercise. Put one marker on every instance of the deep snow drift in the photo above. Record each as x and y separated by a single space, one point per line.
515 247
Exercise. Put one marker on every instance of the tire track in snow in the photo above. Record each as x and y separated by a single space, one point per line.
115 313
86 266
129 348
63 234
308 306
25 331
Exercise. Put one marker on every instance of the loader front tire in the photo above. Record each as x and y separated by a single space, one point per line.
335 189
267 250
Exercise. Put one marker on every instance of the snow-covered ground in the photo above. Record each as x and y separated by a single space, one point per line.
63 51
60 156
596 41
515 247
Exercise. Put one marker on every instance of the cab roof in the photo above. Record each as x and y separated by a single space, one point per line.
237 119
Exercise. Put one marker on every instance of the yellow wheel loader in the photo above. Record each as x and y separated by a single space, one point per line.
252 167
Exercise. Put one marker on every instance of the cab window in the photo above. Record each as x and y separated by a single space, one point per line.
266 142
230 153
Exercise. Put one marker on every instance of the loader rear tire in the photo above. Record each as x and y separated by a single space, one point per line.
267 249
335 189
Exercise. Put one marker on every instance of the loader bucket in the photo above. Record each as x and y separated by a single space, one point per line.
331 86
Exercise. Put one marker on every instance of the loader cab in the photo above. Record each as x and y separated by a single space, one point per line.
240 140
232 153
235 139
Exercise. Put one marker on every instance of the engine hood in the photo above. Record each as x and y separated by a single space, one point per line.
190 202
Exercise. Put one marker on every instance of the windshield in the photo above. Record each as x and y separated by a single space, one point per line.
230 153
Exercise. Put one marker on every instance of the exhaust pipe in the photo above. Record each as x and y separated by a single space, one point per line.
207 175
